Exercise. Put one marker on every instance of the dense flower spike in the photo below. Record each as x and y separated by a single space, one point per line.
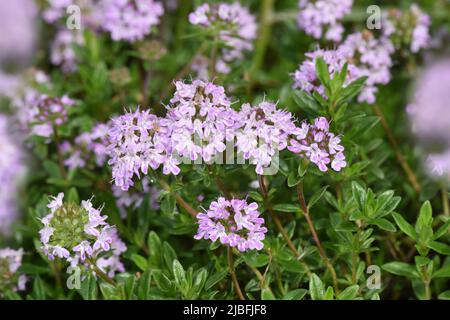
139 141
322 18
80 234
10 278
200 119
429 115
130 20
305 77
234 223
407 29
321 147
235 26
372 58
263 132
11 170
62 49
41 114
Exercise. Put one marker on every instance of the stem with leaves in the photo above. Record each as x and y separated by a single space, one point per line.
322 253
179 199
278 224
100 273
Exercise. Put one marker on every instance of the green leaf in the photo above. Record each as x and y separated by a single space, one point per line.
317 196
329 294
442 230
154 245
180 275
293 179
359 194
89 288
425 218
140 261
215 279
255 196
444 295
444 272
38 289
108 291
401 269
296 294
349 293
323 74
384 224
143 287
351 90
439 247
405 226
316 287
306 102
162 282
286 207
266 294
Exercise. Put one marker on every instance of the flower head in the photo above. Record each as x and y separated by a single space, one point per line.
235 25
322 18
321 147
234 223
263 130
139 141
200 119
130 20
78 232
10 278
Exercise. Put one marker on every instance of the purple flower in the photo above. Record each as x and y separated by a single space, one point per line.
317 144
40 114
372 58
407 27
130 20
200 119
235 26
234 223
77 232
262 131
10 262
62 49
139 141
322 18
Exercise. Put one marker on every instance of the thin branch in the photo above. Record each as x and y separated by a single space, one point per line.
322 253
179 199
236 285
278 224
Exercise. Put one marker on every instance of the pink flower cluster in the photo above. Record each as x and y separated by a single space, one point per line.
139 141
200 125
410 27
322 18
235 25
234 223
130 20
262 132
372 58
10 262
200 119
88 146
321 147
62 49
80 234
41 114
